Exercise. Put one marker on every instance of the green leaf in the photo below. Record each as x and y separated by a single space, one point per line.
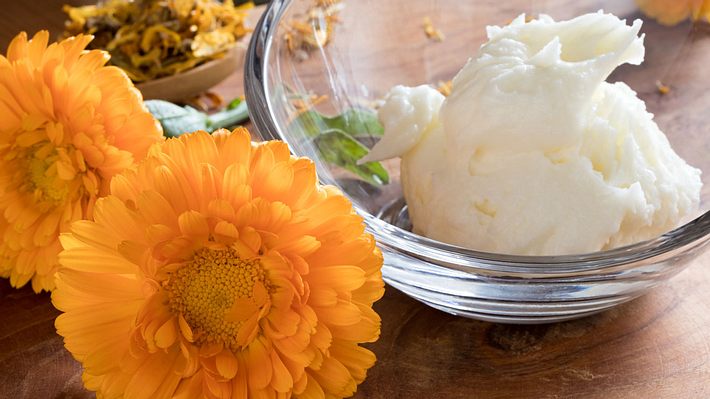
335 137
235 103
338 148
228 117
311 123
357 122
176 120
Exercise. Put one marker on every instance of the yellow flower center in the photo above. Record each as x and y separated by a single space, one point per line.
206 289
45 185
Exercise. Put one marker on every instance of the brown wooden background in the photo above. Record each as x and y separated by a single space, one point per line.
655 347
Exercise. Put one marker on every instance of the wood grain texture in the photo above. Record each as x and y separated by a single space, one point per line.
656 347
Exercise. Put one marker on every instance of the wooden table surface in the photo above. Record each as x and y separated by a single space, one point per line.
657 346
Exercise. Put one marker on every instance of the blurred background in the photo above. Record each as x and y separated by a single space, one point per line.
33 15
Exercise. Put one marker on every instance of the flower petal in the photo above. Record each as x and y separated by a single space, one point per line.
166 334
241 310
185 329
227 364
282 380
194 224
259 365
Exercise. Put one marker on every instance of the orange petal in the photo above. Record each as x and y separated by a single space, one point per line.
218 389
313 390
194 224
249 237
340 278
221 209
185 329
157 233
355 358
259 364
227 364
18 47
259 293
274 182
166 334
343 314
189 388
236 149
322 337
335 378
299 264
211 181
239 382
210 349
155 209
302 246
97 261
248 330
282 380
226 231
299 385
323 296
135 252
147 379
284 322
242 309
245 214
65 171
111 212
234 185
366 330
187 364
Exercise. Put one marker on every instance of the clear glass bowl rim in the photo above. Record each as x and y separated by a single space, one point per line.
692 235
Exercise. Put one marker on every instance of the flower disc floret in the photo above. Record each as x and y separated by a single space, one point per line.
204 290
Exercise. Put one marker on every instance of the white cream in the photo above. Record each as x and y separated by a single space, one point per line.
533 152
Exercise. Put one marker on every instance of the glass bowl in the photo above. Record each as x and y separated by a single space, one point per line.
372 45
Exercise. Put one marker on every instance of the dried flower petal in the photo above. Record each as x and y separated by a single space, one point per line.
313 29
155 38
431 32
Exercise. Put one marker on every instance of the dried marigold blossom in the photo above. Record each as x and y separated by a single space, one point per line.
312 29
220 268
151 39
68 124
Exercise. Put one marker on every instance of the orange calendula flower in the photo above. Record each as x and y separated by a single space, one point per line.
67 125
672 12
219 268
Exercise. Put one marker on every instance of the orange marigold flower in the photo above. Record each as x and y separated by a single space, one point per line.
67 125
671 12
219 268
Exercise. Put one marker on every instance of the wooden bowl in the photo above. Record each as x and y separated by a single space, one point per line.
196 80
